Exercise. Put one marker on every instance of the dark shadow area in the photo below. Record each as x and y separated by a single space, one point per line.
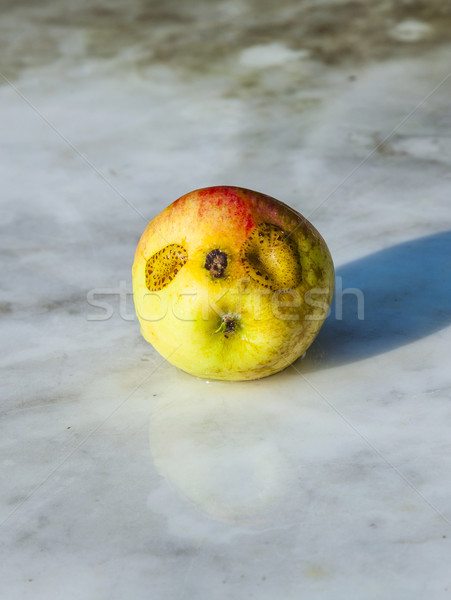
406 295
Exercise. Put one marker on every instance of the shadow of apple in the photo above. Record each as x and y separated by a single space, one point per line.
405 296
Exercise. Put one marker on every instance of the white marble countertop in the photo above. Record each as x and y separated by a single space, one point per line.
125 478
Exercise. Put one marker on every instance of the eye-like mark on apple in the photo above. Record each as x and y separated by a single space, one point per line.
163 266
270 258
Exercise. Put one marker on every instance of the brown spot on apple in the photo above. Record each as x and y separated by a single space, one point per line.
216 263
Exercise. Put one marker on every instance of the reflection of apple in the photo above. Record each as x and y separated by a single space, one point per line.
232 458
231 284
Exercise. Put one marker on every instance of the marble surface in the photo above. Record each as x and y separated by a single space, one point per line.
125 478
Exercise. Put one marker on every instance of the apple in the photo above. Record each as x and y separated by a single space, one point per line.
229 283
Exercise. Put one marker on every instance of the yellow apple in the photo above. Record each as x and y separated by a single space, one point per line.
229 283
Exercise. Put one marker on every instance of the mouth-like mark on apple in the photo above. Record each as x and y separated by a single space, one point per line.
163 266
228 325
271 258
216 263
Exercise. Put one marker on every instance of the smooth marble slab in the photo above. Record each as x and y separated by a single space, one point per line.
123 477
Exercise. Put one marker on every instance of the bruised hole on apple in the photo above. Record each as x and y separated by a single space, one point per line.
216 263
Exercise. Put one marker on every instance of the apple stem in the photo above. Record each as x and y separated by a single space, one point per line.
227 326
221 328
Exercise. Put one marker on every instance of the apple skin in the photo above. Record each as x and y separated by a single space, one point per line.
248 319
